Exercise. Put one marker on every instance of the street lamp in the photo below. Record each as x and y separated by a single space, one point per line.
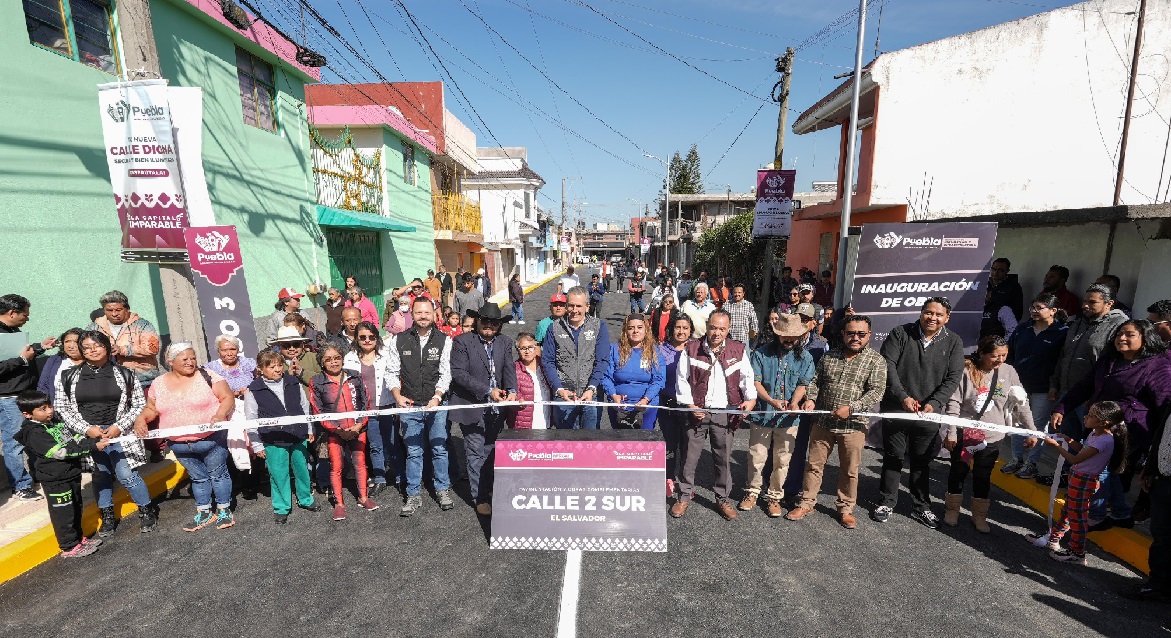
666 204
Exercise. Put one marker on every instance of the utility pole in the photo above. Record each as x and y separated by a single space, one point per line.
841 295
785 68
1118 180
561 233
140 55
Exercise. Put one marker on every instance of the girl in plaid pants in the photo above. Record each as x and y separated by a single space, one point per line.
1105 447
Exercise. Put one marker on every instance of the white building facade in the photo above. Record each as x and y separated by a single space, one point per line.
506 190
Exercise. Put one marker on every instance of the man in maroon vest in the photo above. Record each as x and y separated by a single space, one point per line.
714 374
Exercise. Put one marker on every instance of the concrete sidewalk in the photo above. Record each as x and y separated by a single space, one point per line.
500 298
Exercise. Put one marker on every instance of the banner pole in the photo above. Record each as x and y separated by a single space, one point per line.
841 295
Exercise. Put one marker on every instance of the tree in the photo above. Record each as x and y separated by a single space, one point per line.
686 177
729 250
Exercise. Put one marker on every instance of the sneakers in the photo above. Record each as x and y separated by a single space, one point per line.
202 519
1066 556
109 523
1028 471
376 489
881 514
310 508
224 519
148 517
28 494
926 517
412 504
445 501
339 513
521 322
369 505
1012 466
1052 545
80 550
280 519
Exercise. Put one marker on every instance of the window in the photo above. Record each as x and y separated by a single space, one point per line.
528 205
82 30
257 90
410 175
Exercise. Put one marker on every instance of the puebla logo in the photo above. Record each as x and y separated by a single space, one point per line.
212 242
517 455
889 240
118 111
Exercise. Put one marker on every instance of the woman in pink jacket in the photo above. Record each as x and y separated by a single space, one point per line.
530 386
359 300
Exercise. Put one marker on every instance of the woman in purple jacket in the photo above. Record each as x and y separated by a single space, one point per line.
672 422
1135 372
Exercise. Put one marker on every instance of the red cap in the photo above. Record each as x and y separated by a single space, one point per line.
558 298
289 293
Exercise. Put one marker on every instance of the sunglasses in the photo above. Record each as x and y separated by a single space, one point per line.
367 338
856 334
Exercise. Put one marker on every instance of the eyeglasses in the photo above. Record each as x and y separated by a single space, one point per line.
856 334
525 348
367 338
1039 308
92 347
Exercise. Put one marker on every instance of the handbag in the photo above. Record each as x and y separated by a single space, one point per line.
974 437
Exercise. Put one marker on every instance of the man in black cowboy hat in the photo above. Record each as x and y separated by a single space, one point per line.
482 371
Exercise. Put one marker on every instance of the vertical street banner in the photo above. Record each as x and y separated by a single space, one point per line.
901 265
144 164
574 489
218 269
774 203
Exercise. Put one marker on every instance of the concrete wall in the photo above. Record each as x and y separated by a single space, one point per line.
407 255
1025 116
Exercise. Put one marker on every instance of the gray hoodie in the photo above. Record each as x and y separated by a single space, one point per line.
1084 343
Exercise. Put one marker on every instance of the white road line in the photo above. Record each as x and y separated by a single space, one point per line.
570 588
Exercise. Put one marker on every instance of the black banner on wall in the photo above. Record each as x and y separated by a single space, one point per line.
901 265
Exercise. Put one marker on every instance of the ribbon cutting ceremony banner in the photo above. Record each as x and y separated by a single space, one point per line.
594 490
900 266
218 268
144 164
774 203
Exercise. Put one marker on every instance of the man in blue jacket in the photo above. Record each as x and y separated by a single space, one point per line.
575 355
483 370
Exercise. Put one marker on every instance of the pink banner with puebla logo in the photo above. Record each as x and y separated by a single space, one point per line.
599 490
144 164
218 268
774 203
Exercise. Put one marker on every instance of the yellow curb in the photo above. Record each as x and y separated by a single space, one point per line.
39 546
531 287
1126 544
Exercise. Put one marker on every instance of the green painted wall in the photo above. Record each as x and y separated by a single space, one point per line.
259 181
57 216
407 255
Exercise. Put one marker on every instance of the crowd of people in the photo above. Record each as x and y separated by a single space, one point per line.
698 367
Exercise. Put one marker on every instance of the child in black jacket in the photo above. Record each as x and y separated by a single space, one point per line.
56 456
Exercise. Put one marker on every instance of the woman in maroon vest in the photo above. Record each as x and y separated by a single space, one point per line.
530 386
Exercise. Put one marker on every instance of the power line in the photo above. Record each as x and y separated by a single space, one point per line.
737 139
694 19
552 95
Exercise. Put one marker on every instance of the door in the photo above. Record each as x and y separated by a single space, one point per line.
357 254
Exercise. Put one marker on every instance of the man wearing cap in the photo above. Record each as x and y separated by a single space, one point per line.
698 310
418 366
744 322
811 342
556 311
567 281
483 370
805 295
483 284
468 298
446 286
823 290
288 301
781 372
714 373
576 354
851 378
299 362
813 345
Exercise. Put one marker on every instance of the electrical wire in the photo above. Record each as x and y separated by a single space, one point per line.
552 94
694 19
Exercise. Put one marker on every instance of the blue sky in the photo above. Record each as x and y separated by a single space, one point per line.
640 76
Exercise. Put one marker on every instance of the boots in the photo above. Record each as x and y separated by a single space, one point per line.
952 515
980 515
149 517
109 523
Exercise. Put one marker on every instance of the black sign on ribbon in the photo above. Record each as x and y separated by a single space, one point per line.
218 269
900 266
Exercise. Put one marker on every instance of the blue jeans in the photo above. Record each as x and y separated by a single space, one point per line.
110 463
10 422
383 439
206 462
1110 496
570 416
1072 424
518 312
1041 407
636 305
430 428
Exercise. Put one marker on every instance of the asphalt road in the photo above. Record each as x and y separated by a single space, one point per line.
433 575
